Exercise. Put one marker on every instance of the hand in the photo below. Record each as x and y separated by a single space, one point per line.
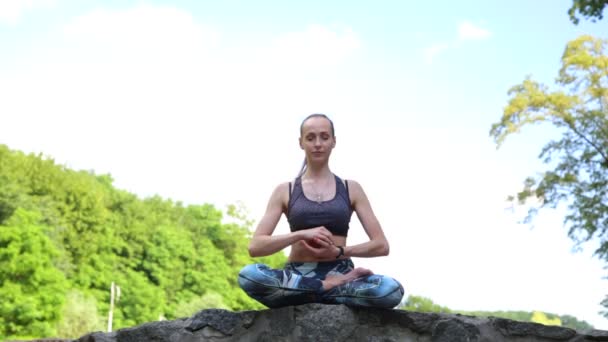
317 237
321 250
336 280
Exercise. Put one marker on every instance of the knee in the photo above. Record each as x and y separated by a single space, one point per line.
387 292
260 283
248 271
392 292
391 283
246 275
254 276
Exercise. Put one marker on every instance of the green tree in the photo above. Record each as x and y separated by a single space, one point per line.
62 229
572 322
422 304
542 318
587 8
80 316
31 287
578 159
140 301
207 301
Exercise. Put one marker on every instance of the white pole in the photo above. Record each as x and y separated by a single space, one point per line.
111 307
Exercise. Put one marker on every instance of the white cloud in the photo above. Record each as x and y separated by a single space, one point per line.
316 46
12 10
152 81
466 31
432 51
147 32
470 31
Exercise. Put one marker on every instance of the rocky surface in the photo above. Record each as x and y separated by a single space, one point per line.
317 322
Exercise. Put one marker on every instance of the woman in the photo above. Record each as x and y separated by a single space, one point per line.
318 206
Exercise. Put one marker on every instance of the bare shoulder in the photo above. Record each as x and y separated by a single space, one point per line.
282 187
355 191
354 187
281 194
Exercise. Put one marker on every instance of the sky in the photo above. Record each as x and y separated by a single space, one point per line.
201 102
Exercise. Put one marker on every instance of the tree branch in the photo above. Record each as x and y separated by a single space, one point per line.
597 149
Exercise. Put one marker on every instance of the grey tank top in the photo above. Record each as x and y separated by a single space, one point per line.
333 214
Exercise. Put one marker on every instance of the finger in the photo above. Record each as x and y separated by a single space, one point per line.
323 230
328 249
309 246
306 245
322 242
326 233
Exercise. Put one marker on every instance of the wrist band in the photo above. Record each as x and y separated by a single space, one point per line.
341 253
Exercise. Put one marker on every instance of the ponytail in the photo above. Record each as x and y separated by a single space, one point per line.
303 168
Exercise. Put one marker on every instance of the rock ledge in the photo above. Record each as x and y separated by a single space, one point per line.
317 322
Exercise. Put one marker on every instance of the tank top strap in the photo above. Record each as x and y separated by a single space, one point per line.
295 192
342 191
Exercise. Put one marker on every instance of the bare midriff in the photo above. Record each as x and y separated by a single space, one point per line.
299 253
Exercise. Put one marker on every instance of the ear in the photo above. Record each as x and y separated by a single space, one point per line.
333 144
300 142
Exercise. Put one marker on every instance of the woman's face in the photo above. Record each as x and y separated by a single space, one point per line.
317 139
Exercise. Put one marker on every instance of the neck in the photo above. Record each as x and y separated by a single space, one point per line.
321 172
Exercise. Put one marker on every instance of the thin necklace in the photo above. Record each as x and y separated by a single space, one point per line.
318 195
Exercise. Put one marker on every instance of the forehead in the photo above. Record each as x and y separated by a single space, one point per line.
316 125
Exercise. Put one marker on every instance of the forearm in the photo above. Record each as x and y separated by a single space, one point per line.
263 245
372 248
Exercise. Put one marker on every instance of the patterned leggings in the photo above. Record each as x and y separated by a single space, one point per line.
300 283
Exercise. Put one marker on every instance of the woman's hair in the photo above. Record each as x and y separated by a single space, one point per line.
333 133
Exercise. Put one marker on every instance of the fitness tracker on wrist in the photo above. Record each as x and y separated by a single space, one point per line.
341 253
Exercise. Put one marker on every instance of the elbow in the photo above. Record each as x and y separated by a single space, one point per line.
253 251
384 249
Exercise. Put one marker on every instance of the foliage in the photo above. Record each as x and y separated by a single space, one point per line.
31 287
66 235
567 321
588 8
79 316
578 108
541 317
207 301
423 304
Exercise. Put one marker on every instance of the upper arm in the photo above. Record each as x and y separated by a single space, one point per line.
277 205
363 208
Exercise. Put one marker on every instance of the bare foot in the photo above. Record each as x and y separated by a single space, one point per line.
335 280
